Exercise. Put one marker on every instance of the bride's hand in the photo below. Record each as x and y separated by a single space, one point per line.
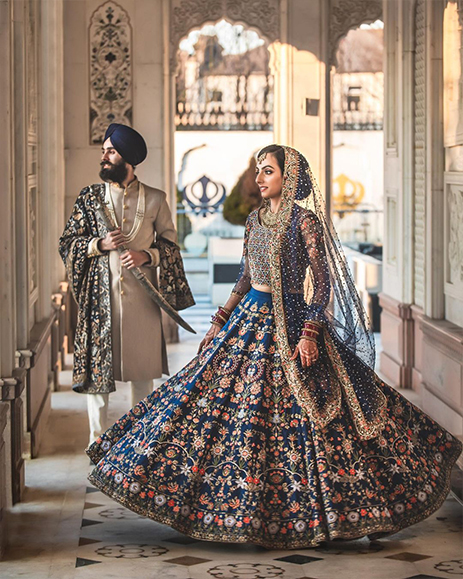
308 352
211 334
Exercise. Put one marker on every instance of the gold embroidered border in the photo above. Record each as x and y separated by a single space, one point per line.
297 385
366 429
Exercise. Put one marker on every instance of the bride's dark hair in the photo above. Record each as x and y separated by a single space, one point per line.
277 151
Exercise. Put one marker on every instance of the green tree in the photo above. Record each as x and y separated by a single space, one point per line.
244 197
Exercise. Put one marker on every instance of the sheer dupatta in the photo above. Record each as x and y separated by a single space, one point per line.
311 281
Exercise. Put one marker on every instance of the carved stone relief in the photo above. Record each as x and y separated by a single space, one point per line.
32 107
110 38
455 235
348 14
186 15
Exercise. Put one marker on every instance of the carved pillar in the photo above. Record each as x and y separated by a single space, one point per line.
3 470
11 390
398 327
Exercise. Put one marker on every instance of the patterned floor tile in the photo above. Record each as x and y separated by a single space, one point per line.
85 562
91 505
187 560
453 567
89 522
298 559
131 551
410 557
84 541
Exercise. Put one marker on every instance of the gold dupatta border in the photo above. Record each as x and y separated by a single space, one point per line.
366 429
300 388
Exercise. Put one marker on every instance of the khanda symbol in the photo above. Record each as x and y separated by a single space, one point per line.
204 196
347 194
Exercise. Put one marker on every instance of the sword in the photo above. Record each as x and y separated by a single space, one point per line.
139 275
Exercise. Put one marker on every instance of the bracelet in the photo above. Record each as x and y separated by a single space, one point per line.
220 318
214 323
237 293
311 325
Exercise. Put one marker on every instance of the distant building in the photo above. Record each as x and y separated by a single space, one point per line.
217 91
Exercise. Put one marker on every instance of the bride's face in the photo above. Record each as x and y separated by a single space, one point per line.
269 177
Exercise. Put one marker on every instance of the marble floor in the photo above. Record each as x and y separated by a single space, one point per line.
65 529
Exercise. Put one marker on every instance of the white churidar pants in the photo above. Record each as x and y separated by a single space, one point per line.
97 405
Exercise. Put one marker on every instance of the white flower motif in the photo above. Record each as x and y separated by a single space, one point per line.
273 528
229 521
410 445
256 523
177 387
296 486
241 413
449 437
428 488
118 477
416 428
208 478
376 512
422 496
276 418
202 402
106 468
438 457
332 517
185 469
159 500
241 483
434 472
185 510
394 468
353 517
106 445
360 474
399 508
335 477
135 488
300 526
208 518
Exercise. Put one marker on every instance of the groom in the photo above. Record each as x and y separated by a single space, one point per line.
119 332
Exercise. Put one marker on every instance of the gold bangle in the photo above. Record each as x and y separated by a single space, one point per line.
219 325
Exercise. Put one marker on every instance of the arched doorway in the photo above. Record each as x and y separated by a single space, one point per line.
356 151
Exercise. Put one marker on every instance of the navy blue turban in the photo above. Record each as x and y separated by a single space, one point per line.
128 143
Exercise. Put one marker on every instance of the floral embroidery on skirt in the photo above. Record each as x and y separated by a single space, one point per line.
223 452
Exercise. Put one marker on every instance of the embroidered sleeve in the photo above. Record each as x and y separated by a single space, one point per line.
93 250
318 274
243 283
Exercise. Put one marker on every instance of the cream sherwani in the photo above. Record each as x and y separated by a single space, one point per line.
138 346
139 351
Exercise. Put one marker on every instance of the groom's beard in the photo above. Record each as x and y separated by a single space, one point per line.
116 173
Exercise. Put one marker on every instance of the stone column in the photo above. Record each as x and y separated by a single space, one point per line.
3 470
397 321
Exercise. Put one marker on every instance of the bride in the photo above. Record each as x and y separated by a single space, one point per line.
279 432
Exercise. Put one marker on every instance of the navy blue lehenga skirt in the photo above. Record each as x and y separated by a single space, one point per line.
222 451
